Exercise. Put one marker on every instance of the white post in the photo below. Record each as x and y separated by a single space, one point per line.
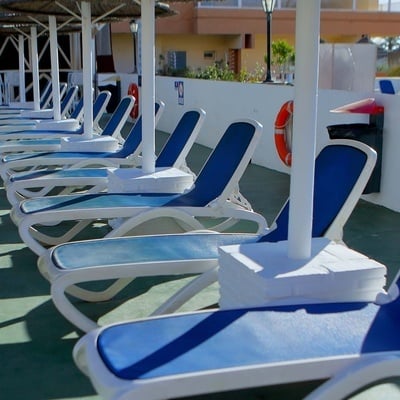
148 82
76 58
21 65
35 69
87 70
55 77
304 128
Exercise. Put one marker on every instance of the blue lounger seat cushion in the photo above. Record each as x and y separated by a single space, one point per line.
239 338
120 251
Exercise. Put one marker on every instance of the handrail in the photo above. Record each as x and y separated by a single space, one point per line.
389 6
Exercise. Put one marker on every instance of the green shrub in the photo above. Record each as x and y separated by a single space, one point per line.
257 75
216 72
394 71
282 52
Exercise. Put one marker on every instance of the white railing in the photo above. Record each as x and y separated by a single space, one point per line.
389 5
383 5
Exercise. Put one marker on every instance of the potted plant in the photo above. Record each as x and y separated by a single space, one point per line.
282 57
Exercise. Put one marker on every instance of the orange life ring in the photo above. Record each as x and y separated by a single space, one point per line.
282 123
133 90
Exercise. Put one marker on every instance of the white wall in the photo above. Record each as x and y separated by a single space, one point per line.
225 102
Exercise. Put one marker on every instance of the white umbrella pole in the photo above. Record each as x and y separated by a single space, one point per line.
35 69
304 128
87 70
55 77
148 83
21 64
76 58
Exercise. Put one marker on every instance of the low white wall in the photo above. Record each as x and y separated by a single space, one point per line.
225 102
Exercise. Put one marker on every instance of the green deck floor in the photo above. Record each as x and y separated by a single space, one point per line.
36 342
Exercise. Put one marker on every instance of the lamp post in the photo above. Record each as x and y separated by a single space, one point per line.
268 6
133 26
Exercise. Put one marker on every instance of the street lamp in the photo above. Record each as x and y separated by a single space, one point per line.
133 26
268 6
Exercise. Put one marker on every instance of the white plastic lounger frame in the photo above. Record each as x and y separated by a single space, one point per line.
208 198
69 264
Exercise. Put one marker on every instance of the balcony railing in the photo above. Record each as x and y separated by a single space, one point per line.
346 5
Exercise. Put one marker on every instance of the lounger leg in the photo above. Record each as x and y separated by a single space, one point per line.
35 239
63 283
71 313
187 292
79 292
104 295
132 222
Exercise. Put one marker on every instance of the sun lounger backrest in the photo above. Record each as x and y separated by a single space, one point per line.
98 108
68 99
181 139
134 137
63 89
225 165
47 100
337 170
46 95
77 112
132 141
386 86
119 116
100 104
77 109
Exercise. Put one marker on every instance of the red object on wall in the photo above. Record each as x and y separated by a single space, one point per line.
133 90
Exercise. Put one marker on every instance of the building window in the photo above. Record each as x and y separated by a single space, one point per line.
209 55
177 60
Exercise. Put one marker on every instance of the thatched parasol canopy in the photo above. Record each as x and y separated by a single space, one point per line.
112 9
89 12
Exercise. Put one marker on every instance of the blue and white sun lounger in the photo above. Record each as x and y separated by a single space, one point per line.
342 170
12 163
44 140
94 180
351 344
40 182
19 123
208 197
15 108
10 124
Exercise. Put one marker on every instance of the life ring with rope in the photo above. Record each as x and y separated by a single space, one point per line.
283 127
133 90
